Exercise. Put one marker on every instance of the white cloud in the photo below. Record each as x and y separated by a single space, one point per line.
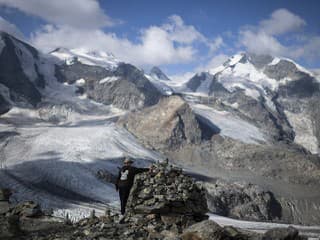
171 43
281 21
155 47
309 50
182 33
182 78
261 43
264 38
76 13
10 28
214 62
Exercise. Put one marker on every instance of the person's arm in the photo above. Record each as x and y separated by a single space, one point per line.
118 179
140 170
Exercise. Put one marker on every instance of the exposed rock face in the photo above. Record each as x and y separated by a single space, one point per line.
169 124
78 70
280 168
270 118
261 60
281 70
305 86
167 191
273 122
125 87
242 201
283 162
12 75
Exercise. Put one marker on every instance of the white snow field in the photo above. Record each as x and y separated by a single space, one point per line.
93 58
230 125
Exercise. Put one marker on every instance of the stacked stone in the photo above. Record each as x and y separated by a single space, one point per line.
165 201
27 209
167 190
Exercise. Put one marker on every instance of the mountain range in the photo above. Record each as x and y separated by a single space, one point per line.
68 114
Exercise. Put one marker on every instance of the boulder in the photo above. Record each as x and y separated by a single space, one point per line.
289 233
242 201
205 230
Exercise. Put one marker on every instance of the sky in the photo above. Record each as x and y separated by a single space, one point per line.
181 37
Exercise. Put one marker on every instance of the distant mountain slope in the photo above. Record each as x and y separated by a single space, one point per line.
25 72
105 79
20 71
274 93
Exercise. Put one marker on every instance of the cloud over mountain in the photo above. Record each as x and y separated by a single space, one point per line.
76 13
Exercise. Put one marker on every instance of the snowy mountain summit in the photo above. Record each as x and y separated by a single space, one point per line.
156 73
88 57
255 74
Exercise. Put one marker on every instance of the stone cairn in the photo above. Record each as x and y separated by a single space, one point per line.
166 199
11 215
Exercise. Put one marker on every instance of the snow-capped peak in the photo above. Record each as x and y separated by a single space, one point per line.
85 56
253 73
156 73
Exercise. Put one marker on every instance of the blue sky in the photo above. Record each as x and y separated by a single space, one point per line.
179 36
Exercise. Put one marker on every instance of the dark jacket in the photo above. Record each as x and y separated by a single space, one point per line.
126 176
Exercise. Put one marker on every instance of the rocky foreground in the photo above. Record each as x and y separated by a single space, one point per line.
163 204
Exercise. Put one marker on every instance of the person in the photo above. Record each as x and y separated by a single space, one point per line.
125 181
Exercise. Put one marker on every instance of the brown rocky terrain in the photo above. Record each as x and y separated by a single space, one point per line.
169 124
160 215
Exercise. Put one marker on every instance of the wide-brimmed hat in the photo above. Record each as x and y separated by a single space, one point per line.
127 160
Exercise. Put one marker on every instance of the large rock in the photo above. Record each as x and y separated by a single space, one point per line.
167 125
242 201
289 233
166 191
210 230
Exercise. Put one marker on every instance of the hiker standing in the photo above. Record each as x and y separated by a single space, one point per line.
125 181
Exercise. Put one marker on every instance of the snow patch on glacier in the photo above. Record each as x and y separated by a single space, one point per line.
230 125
